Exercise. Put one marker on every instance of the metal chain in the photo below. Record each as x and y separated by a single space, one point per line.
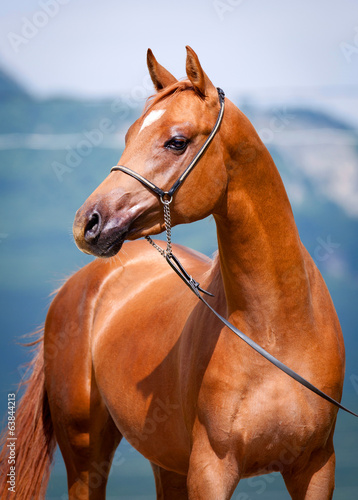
160 250
168 230
168 226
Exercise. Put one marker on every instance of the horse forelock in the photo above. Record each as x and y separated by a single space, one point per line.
170 91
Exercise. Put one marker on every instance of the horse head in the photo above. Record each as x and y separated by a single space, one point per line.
159 146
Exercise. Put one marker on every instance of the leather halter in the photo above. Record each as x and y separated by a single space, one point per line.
169 194
166 198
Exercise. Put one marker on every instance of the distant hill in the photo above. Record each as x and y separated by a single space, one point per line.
9 86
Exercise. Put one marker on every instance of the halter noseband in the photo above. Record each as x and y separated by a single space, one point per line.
168 195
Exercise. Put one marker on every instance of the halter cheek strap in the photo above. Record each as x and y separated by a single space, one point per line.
169 194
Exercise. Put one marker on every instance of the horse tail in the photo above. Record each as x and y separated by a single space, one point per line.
35 441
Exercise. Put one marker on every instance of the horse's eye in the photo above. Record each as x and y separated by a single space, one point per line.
177 143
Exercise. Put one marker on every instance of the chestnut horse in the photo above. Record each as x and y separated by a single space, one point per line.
129 351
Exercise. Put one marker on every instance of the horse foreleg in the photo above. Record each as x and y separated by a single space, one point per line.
316 481
169 485
213 470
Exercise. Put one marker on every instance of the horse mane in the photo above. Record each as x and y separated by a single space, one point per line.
170 91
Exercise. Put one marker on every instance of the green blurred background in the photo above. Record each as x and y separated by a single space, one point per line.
56 146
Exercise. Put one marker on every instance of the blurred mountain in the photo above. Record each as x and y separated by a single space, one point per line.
9 87
55 152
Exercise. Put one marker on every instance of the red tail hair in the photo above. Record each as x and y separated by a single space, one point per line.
35 443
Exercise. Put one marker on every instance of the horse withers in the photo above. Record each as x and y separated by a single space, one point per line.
141 357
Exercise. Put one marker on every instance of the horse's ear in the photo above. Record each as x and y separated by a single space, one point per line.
161 78
198 77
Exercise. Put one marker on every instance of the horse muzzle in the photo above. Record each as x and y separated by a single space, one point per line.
98 235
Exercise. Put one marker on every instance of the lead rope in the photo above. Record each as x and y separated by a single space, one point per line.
195 288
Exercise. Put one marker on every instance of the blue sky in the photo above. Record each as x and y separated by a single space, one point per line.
271 49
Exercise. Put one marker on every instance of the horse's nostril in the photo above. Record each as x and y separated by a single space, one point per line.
93 227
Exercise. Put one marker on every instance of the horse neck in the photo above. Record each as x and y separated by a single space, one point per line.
261 255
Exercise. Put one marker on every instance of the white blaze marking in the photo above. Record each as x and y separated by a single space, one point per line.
152 117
